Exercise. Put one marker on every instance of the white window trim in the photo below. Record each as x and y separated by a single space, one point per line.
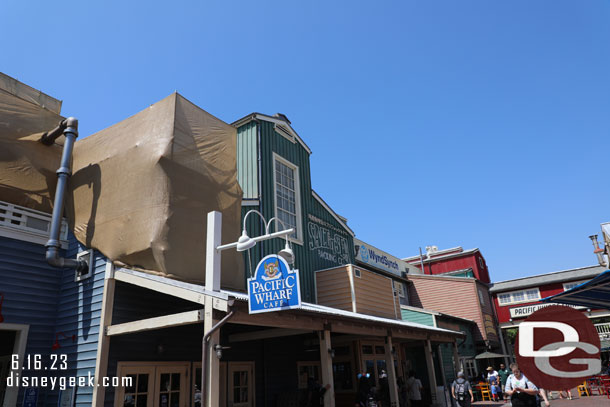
573 282
297 187
525 300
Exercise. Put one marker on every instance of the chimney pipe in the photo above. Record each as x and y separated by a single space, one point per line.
69 128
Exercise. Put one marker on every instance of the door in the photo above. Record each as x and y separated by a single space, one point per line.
171 384
241 384
140 391
153 384
196 394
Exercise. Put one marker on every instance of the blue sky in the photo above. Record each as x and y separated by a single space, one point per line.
472 123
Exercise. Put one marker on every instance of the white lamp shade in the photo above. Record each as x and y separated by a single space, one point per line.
287 254
245 242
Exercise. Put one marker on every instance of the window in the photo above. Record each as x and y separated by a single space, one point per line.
401 291
572 284
481 297
287 199
529 295
357 272
306 371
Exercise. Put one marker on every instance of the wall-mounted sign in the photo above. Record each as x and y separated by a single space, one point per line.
328 241
490 326
367 254
274 286
522 312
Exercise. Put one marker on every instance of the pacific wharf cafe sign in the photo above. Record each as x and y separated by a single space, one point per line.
328 241
522 312
274 286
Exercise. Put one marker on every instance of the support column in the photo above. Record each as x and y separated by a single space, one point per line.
212 282
326 365
391 370
456 359
103 341
431 372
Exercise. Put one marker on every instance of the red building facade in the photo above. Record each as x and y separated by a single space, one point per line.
514 300
454 261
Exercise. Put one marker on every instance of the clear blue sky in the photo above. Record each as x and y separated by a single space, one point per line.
473 123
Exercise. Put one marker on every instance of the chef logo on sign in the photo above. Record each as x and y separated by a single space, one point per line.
558 348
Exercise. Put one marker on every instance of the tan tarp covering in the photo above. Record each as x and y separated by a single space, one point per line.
141 191
27 167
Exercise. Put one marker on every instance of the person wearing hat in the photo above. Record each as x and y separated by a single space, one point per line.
461 391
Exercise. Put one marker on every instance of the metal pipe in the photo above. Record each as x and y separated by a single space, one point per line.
68 127
204 354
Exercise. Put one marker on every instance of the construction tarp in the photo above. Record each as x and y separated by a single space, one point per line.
141 191
27 167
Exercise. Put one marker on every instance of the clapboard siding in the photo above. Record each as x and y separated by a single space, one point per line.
374 294
334 289
423 318
31 290
78 313
453 296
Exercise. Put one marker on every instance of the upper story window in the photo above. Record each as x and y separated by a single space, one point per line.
481 297
400 290
572 284
287 199
528 295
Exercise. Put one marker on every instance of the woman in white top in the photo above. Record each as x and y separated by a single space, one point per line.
521 391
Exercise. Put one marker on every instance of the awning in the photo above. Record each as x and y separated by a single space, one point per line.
592 294
489 355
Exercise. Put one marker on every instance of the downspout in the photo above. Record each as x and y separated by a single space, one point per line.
205 356
69 128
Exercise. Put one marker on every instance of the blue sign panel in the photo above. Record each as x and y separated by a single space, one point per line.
274 286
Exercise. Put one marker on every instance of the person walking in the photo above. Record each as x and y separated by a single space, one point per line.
415 388
461 391
521 391
503 374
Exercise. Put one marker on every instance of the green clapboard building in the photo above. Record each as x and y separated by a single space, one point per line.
274 172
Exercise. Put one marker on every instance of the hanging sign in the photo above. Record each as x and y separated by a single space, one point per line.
274 286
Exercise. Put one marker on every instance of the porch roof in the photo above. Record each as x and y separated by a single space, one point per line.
190 291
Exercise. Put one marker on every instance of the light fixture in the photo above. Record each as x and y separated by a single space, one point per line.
56 345
218 349
331 352
245 242
286 253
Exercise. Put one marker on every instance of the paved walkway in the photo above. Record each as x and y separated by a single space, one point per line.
592 401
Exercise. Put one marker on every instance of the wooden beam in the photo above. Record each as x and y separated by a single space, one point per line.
326 366
278 320
391 371
101 357
166 321
220 301
266 333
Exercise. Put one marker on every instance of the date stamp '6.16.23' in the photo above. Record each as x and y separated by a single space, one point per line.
35 370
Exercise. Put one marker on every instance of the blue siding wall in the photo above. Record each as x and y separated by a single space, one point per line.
78 313
419 317
30 288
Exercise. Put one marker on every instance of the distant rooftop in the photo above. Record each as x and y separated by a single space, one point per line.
433 254
581 273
